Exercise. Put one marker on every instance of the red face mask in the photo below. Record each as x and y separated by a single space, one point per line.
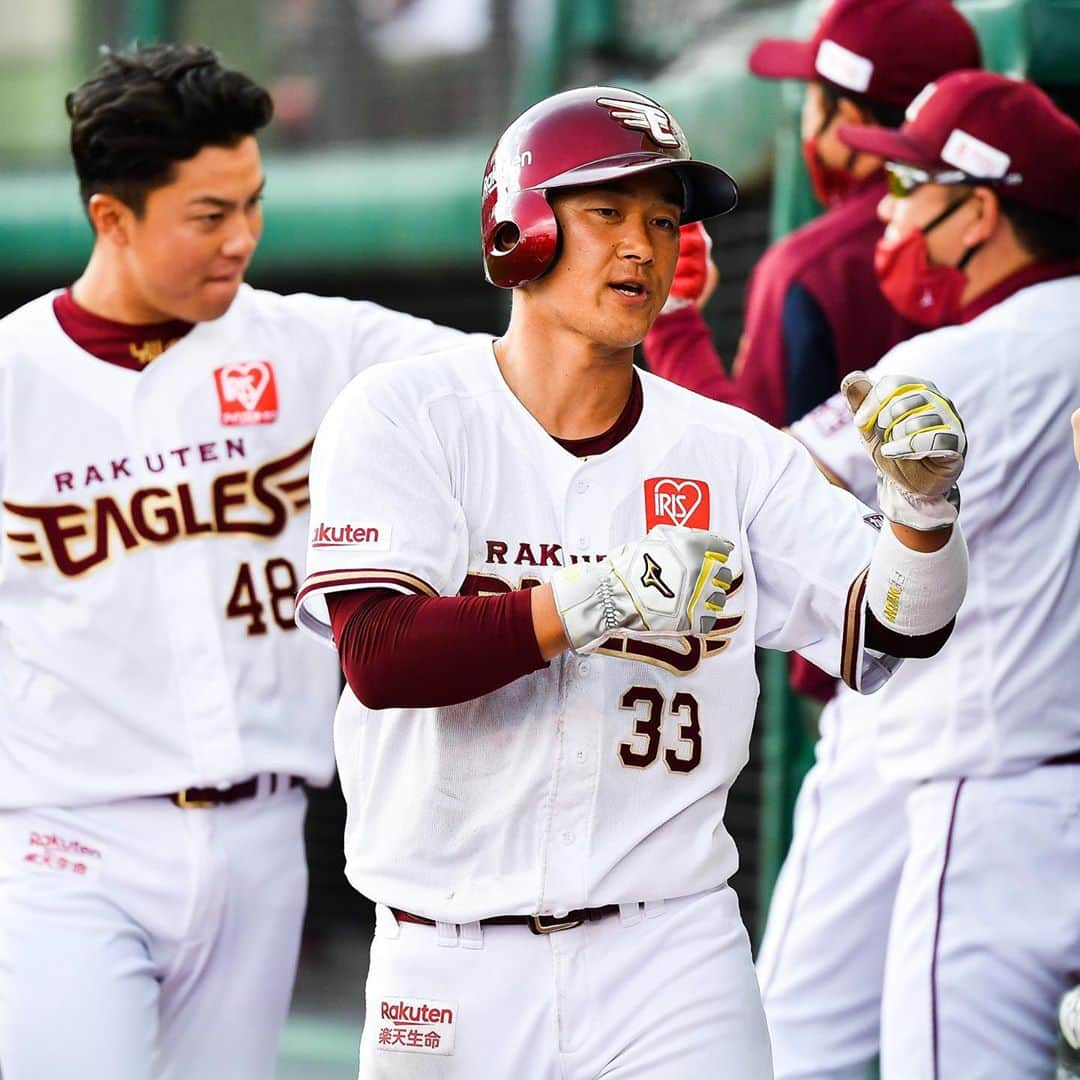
830 185
926 294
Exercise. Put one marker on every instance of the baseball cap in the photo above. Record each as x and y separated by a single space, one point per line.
885 50
990 129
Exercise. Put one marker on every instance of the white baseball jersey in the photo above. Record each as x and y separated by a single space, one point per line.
152 527
1002 695
601 778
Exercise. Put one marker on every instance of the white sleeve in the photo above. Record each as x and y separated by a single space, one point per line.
380 334
382 511
810 543
828 433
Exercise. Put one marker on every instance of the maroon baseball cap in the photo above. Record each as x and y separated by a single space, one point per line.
986 128
885 50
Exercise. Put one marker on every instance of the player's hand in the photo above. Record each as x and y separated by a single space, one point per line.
674 581
695 273
916 438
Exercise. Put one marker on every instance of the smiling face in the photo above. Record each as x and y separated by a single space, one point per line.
619 246
184 257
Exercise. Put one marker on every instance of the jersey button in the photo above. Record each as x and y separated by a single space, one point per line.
583 667
583 542
567 838
581 487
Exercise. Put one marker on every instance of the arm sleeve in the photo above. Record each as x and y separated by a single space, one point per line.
679 348
418 652
383 514
809 353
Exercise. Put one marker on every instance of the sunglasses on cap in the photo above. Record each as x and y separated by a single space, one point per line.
904 180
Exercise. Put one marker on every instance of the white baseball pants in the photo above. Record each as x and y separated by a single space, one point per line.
986 928
655 992
141 940
822 957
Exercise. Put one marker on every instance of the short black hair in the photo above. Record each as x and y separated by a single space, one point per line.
1049 237
147 108
882 113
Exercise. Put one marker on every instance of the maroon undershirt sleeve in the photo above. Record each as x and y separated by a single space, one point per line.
421 652
680 348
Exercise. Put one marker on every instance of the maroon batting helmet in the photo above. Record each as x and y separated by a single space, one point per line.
585 136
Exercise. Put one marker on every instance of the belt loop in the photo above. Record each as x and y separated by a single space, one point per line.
653 908
472 935
447 934
630 914
386 924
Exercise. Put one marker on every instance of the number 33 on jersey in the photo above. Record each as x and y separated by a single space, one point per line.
446 484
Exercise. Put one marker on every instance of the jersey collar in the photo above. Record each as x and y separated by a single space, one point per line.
1032 274
599 444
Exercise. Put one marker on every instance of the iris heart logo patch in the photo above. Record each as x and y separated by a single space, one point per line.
247 392
672 500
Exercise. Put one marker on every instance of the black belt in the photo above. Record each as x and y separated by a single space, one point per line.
1071 757
538 924
201 798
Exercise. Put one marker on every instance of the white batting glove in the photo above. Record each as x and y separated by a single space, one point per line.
674 581
916 438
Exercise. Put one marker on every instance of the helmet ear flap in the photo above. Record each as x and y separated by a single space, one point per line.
521 239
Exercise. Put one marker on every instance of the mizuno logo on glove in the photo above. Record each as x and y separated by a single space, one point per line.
651 579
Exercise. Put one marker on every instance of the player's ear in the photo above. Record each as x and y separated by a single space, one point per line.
110 218
847 112
985 224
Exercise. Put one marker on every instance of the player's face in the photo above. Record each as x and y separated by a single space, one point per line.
187 254
819 122
620 243
945 241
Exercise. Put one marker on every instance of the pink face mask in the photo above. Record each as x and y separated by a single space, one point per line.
926 294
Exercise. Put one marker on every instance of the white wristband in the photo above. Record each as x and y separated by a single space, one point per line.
916 592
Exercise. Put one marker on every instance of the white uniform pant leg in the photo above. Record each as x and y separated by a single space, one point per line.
171 953
986 929
822 958
223 1009
650 994
78 996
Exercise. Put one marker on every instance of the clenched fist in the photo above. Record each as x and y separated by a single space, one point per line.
916 438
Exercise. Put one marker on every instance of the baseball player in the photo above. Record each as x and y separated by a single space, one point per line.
158 710
546 576
983 230
813 310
